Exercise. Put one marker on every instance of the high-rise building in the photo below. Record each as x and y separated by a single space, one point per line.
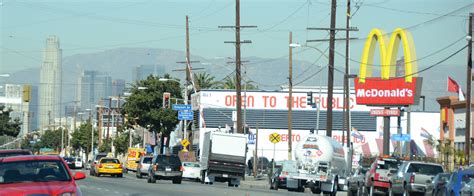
141 72
20 105
94 86
50 83
118 86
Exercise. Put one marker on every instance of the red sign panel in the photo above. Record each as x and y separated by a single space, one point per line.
384 112
394 91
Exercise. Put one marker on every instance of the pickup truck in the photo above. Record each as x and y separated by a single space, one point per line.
414 177
378 176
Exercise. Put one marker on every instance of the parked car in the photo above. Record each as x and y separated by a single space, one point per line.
415 177
262 166
279 177
37 175
94 163
110 166
78 163
14 152
143 165
71 162
457 180
192 170
166 167
468 189
377 178
438 185
356 180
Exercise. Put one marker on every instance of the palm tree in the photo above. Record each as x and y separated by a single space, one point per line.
205 81
229 83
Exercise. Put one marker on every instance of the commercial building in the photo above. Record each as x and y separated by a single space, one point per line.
141 72
94 86
50 82
16 100
267 112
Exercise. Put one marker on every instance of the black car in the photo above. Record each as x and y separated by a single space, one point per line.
71 162
165 167
14 152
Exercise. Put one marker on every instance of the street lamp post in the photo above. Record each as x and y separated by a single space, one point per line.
92 132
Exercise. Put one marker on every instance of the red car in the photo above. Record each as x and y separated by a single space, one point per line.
37 175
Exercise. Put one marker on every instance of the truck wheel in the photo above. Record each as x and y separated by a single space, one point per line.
139 174
203 178
151 179
177 181
315 190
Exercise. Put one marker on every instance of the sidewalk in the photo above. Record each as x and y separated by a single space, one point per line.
260 182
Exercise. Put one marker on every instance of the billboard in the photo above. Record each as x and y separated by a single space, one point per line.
389 89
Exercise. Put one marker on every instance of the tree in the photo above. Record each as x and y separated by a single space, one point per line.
26 142
106 145
82 138
8 126
146 106
205 81
121 143
51 139
230 83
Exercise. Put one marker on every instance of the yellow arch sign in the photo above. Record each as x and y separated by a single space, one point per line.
388 54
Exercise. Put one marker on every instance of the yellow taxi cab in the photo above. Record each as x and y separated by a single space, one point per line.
110 166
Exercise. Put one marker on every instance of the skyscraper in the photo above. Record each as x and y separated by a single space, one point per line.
50 83
141 72
118 85
94 86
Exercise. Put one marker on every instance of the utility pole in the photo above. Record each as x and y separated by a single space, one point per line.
332 39
467 145
238 62
332 36
92 133
108 118
99 122
290 97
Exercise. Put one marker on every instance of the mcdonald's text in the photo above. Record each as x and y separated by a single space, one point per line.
376 91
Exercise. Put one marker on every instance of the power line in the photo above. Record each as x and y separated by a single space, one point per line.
412 12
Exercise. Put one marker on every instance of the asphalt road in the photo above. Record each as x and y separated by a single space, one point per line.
130 185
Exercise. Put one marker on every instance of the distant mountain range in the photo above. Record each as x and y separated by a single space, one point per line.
267 74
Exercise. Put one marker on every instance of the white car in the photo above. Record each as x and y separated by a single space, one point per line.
78 163
192 170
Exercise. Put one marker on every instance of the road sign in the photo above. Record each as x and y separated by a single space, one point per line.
275 138
385 112
185 115
182 107
185 143
401 137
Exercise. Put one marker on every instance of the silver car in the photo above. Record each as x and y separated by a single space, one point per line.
356 181
468 188
414 177
142 166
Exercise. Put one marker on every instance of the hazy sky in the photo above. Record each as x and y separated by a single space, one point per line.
87 26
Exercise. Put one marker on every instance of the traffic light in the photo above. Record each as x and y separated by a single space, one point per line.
309 98
26 93
166 100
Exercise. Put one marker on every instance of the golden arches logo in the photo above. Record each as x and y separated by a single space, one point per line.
388 54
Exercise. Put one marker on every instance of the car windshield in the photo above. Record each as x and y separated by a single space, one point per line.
33 171
168 160
98 157
467 177
78 159
10 154
191 164
425 169
387 164
109 161
147 160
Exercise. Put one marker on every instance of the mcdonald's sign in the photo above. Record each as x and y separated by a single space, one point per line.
388 89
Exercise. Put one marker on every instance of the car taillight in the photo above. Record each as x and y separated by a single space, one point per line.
412 179
281 177
181 168
155 167
100 165
139 166
284 173
120 165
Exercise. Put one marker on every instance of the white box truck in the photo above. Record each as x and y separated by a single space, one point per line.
223 158
321 165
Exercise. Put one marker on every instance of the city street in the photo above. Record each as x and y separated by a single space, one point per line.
130 185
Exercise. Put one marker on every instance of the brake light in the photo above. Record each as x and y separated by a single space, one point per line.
281 177
181 168
120 166
100 165
412 179
155 167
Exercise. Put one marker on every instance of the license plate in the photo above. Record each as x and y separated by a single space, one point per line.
168 169
225 175
110 166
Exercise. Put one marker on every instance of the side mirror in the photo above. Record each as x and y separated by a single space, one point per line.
137 161
79 176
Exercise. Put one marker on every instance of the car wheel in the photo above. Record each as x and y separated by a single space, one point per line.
177 180
151 179
276 185
120 175
139 175
97 174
